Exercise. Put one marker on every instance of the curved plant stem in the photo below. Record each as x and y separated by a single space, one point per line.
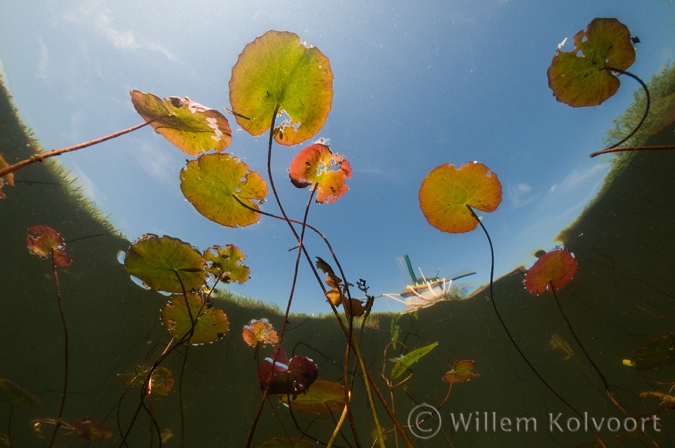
65 354
508 333
57 152
336 431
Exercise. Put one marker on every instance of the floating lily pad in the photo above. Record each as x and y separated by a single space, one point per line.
213 183
91 431
160 261
7 179
658 351
193 128
311 166
226 262
288 377
583 76
48 243
16 395
279 72
211 324
285 442
162 380
555 268
446 192
409 359
461 371
324 397
260 331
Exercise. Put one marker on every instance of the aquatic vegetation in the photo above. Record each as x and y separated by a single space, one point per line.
403 364
657 351
7 179
559 343
462 370
12 393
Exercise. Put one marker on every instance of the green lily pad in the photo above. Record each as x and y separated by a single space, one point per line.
226 262
658 351
162 379
211 324
193 128
212 184
582 77
16 395
409 359
279 72
159 261
323 397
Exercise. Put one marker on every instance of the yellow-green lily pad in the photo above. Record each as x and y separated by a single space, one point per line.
278 72
214 182
160 261
210 324
322 398
192 127
162 379
226 262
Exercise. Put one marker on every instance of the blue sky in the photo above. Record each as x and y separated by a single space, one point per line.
417 84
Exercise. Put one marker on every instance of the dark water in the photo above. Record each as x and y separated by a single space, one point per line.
621 296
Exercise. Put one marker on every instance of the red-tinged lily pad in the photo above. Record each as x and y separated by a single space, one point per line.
16 395
324 397
260 331
555 268
7 179
91 431
225 263
210 325
461 371
193 128
583 76
160 386
447 191
285 442
278 72
160 261
47 243
657 351
311 166
215 183
288 377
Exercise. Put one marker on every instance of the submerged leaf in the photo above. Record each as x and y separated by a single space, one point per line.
461 371
260 332
409 359
311 166
160 261
288 377
583 76
658 351
210 324
214 182
91 431
324 397
7 178
285 442
193 128
277 72
16 395
48 242
447 191
225 262
162 379
555 268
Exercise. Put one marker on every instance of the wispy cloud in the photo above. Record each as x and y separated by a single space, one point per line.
579 177
520 194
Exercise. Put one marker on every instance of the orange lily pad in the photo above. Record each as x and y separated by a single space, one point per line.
462 370
225 262
278 72
214 182
159 262
7 179
583 76
324 397
162 379
260 331
210 324
555 268
311 166
447 191
191 127
48 242
91 431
